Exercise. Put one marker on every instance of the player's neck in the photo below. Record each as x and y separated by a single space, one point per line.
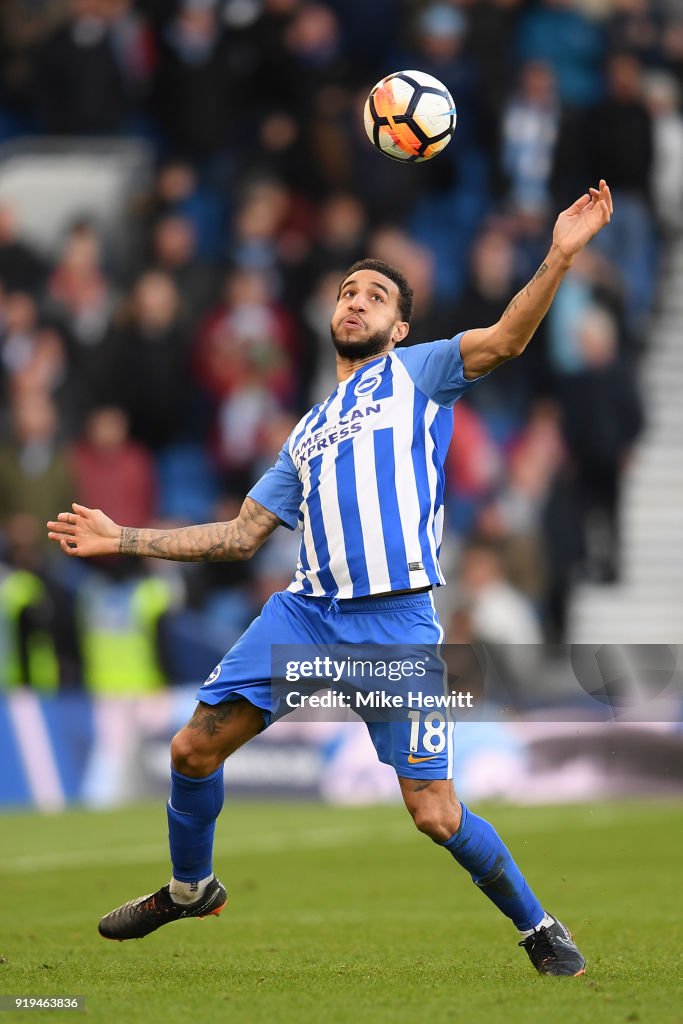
347 367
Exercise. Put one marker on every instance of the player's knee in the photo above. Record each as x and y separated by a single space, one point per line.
437 821
189 758
432 824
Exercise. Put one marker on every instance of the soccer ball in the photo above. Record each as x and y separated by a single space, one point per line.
410 116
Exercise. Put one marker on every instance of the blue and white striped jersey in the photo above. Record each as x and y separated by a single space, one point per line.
362 477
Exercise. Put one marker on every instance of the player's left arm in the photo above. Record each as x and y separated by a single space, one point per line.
485 348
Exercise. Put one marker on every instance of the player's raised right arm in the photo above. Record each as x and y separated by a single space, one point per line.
86 532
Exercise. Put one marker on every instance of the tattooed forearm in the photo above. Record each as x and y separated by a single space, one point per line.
485 348
543 269
512 305
128 544
212 542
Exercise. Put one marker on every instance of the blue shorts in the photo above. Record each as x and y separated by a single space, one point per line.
416 749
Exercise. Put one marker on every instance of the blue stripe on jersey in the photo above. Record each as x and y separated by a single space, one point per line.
350 518
440 482
315 513
304 567
441 432
424 497
394 544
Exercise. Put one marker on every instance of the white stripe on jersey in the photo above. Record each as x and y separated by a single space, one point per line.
370 516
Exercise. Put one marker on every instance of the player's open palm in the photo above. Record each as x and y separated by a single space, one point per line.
577 225
85 532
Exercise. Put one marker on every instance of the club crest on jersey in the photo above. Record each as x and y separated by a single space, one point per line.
214 675
367 385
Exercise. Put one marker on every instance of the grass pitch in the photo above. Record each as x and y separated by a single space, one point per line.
346 915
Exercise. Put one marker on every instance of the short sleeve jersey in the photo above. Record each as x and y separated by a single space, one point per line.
362 475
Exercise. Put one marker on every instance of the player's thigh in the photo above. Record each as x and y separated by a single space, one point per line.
215 731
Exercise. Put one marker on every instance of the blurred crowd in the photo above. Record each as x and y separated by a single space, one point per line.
160 388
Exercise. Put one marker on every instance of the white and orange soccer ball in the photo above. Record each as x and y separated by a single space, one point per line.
410 116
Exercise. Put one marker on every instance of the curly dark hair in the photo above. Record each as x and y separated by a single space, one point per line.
405 292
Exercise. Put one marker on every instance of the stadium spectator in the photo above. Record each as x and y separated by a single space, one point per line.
244 359
620 130
146 363
23 26
473 469
505 400
672 45
663 100
123 633
196 93
81 86
34 469
174 252
514 519
112 471
560 33
79 295
592 281
602 417
40 366
341 232
19 334
633 27
133 46
21 268
179 191
41 644
492 610
492 24
531 122
620 139
312 49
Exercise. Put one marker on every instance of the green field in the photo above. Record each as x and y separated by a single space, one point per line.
340 914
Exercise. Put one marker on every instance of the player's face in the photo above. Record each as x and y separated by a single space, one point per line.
367 321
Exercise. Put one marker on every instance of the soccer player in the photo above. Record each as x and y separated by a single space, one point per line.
361 476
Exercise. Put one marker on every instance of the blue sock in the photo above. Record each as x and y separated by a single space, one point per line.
480 850
192 811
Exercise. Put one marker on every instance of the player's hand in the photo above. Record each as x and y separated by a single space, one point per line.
577 225
85 532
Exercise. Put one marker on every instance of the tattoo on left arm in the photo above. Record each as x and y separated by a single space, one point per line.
209 542
128 544
514 302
